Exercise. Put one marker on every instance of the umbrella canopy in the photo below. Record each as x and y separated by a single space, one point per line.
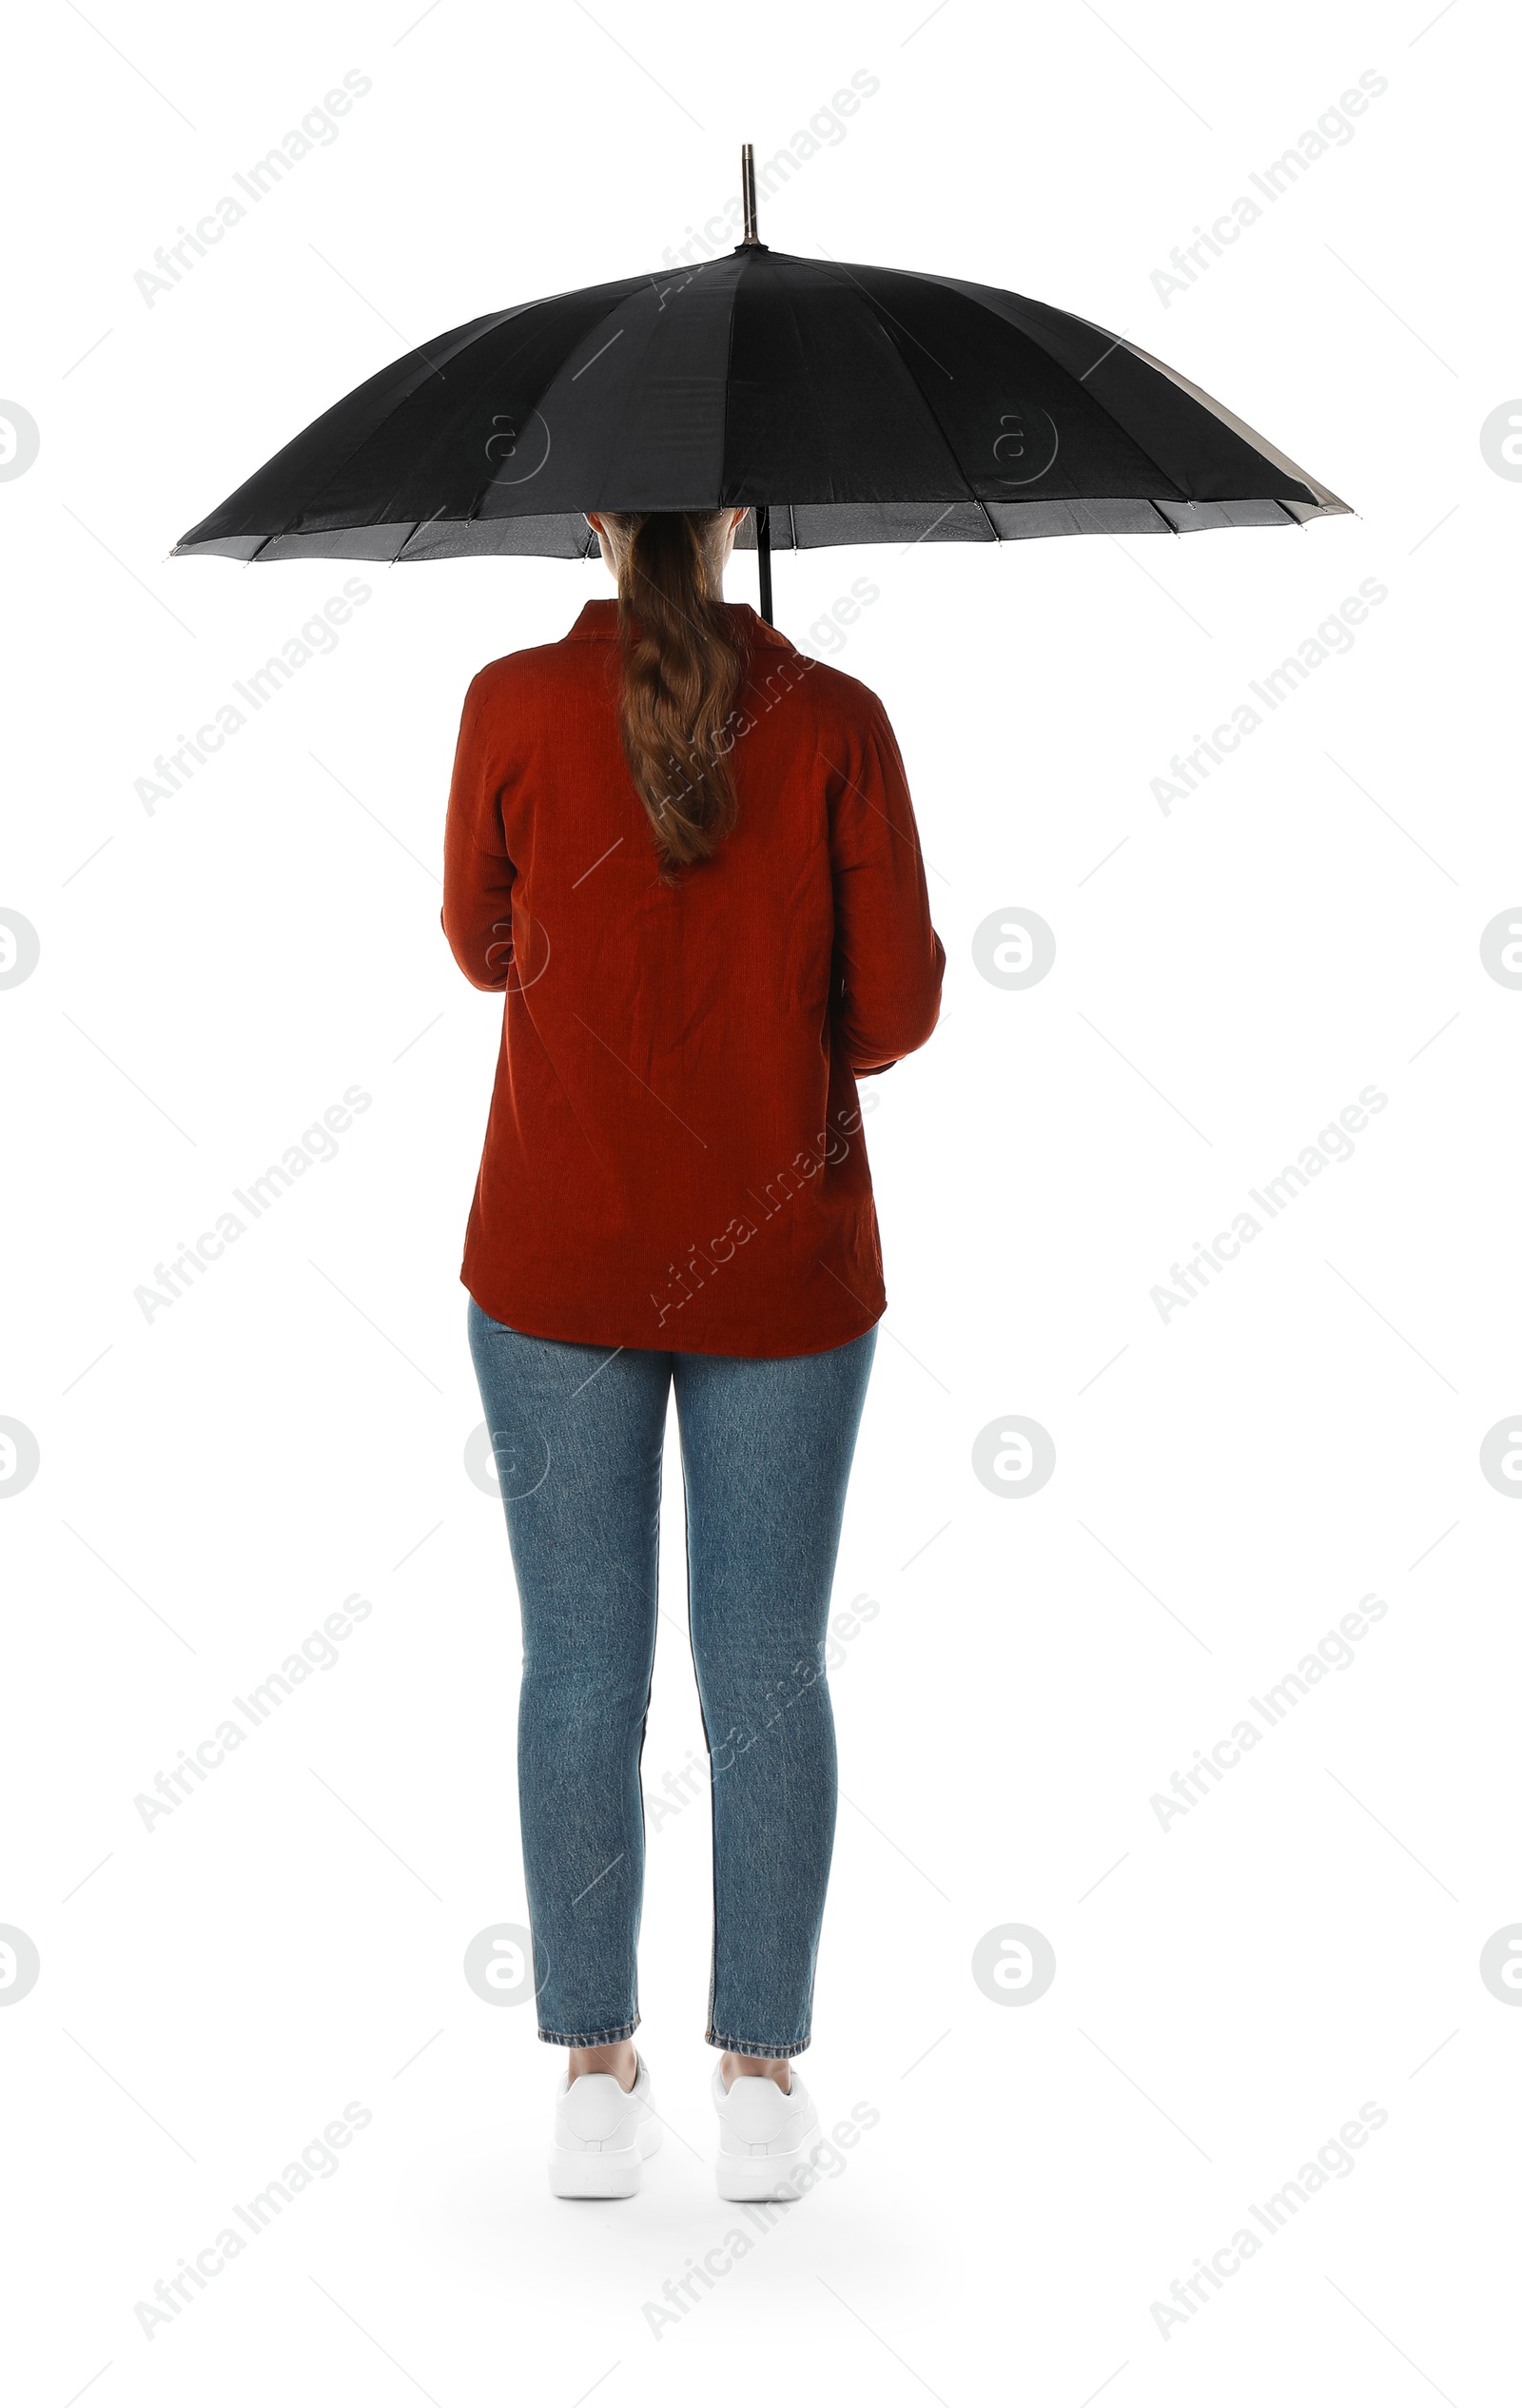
842 404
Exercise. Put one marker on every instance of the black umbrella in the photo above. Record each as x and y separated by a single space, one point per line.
842 405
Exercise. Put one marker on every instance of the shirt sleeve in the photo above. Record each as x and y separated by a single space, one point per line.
476 916
889 960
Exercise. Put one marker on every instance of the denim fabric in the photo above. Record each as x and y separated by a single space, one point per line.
766 1445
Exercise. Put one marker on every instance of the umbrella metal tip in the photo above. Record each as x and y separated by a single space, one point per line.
748 195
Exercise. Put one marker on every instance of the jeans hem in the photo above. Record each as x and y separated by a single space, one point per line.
591 2039
755 2048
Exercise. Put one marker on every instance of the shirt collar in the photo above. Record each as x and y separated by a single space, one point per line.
598 623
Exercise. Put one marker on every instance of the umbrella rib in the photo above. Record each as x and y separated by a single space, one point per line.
413 532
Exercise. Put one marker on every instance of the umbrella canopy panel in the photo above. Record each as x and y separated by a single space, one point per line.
861 405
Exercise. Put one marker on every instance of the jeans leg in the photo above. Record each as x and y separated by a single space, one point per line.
767 1448
577 1433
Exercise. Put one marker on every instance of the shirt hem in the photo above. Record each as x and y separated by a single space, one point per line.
536 1324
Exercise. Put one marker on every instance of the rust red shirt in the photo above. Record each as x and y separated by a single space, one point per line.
675 1152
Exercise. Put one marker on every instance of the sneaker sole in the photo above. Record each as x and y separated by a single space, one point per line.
759 2177
603 2173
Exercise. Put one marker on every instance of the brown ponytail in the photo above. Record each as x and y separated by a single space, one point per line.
682 669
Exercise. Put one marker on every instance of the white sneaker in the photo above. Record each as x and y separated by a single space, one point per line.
603 2134
765 2135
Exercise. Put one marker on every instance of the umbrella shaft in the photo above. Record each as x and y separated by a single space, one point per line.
763 556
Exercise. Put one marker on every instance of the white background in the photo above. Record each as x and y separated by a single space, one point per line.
1229 1484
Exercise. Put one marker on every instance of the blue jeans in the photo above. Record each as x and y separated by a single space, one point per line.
767 1446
